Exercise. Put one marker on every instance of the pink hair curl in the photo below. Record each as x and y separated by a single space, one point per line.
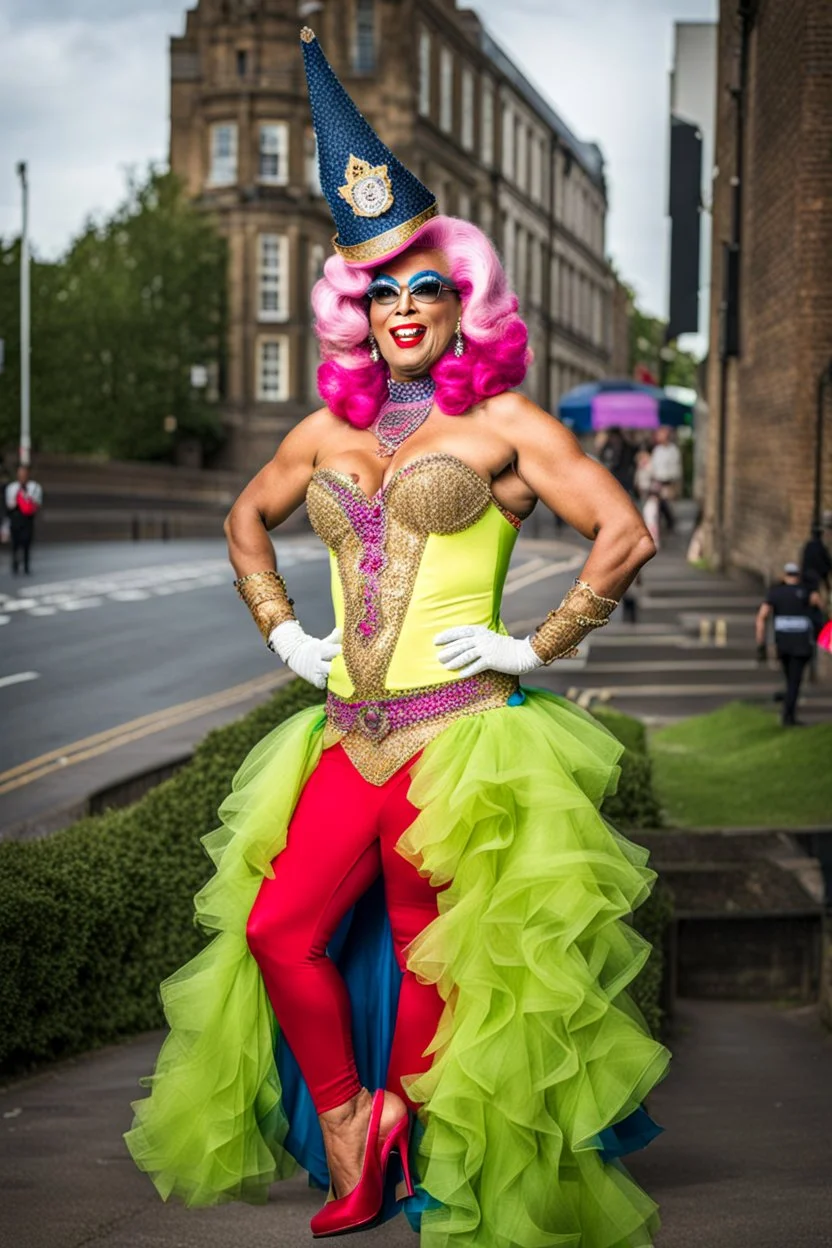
496 352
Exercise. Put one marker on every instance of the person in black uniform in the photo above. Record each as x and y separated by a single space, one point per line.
816 561
795 608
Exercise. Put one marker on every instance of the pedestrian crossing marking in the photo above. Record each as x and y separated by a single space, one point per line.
132 585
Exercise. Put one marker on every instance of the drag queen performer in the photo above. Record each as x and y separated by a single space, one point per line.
417 989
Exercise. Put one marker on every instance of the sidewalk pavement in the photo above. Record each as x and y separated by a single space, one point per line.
743 1163
691 650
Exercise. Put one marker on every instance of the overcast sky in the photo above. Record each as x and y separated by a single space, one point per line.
84 96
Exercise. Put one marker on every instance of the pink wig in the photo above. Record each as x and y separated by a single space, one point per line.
496 352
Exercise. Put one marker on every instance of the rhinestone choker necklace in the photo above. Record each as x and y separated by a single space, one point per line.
408 407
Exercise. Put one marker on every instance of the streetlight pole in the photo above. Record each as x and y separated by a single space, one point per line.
25 427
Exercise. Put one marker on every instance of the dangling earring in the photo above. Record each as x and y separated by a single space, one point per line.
459 345
374 351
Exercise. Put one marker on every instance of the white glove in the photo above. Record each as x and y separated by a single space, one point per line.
309 657
475 648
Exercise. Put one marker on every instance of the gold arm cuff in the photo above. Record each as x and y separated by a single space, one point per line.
581 611
267 598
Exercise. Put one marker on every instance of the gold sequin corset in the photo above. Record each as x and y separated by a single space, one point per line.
429 551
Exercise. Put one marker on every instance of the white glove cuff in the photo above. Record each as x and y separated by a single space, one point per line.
285 639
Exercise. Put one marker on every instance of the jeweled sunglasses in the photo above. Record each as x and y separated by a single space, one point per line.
425 286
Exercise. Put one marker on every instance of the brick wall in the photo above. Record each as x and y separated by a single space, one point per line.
786 280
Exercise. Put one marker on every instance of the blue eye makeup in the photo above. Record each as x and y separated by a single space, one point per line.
426 286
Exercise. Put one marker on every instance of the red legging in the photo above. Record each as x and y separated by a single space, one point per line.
343 832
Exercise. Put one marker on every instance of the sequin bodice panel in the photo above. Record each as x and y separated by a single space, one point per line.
428 551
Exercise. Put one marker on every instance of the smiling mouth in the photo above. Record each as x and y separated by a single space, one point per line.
408 335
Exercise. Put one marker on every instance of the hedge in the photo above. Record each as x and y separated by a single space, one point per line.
635 805
94 917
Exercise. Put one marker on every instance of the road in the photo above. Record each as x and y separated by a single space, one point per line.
743 1162
117 658
105 635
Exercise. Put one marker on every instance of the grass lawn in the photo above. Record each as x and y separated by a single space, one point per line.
738 767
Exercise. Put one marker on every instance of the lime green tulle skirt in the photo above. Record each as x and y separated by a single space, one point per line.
540 1048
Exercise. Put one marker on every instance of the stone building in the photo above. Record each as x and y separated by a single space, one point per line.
771 314
454 108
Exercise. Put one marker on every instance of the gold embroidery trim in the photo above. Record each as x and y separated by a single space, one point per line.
378 247
378 760
418 500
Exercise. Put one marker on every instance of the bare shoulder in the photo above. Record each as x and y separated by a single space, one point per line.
317 424
305 438
522 421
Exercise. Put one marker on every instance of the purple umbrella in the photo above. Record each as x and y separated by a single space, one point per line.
627 404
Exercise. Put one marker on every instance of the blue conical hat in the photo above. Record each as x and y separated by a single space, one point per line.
378 205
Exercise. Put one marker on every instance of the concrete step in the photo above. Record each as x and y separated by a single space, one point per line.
711 674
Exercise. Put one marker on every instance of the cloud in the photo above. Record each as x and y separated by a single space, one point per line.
84 94
81 101
604 65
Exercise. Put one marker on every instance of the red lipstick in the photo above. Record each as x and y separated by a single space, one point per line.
412 335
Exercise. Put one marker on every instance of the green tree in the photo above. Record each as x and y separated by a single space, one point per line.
117 324
669 365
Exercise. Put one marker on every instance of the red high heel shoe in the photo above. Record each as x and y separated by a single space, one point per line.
361 1207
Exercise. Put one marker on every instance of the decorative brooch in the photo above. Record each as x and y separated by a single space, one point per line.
368 189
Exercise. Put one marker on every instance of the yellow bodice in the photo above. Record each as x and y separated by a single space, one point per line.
429 551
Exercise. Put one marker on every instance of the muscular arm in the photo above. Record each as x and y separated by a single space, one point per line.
760 624
550 460
269 498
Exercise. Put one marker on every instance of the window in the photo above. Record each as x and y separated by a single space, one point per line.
364 51
317 257
242 62
464 205
536 266
522 155
313 169
446 90
274 153
537 168
509 251
467 120
486 216
487 122
565 293
508 141
273 370
522 263
272 277
223 154
424 73
545 173
554 287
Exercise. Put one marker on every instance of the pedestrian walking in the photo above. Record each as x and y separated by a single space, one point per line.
816 560
796 613
666 469
618 457
643 477
651 511
23 499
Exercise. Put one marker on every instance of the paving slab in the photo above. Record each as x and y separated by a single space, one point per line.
743 1163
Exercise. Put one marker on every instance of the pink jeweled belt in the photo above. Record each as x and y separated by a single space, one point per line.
374 720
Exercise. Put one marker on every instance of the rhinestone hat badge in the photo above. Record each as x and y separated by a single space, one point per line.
369 190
